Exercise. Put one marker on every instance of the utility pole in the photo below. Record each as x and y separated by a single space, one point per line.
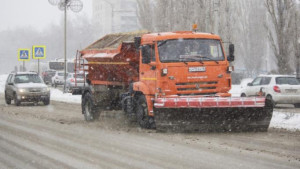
63 5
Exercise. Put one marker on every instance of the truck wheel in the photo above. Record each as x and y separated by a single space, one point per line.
89 110
17 101
142 113
128 108
7 100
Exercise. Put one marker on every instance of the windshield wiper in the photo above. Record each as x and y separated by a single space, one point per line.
208 58
190 59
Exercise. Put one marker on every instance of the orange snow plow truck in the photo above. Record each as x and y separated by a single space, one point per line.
171 80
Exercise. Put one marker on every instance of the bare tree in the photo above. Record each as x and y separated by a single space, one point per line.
280 31
145 13
239 22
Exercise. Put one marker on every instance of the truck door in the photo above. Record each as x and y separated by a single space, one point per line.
148 67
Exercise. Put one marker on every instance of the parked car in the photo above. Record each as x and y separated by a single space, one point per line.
281 89
75 81
47 75
58 79
26 87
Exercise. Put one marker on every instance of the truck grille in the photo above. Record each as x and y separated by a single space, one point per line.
197 87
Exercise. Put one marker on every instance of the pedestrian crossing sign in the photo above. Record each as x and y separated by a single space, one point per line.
24 54
39 52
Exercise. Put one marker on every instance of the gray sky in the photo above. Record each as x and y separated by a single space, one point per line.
34 13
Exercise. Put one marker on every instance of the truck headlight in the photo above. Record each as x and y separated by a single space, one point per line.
164 71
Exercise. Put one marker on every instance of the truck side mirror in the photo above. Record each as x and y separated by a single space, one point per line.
137 42
230 57
146 54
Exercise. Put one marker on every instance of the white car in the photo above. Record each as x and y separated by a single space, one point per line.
58 79
281 89
75 81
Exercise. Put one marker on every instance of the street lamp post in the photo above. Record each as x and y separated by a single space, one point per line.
112 14
63 5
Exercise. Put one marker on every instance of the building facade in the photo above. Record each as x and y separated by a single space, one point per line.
111 16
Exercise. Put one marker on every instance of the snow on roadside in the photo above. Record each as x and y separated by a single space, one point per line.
235 90
58 95
2 82
286 120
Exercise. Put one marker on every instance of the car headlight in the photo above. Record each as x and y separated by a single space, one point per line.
46 89
22 90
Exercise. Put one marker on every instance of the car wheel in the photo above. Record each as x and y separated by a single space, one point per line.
7 100
17 101
141 110
46 101
243 95
297 105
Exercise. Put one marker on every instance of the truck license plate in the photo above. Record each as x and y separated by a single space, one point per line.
197 69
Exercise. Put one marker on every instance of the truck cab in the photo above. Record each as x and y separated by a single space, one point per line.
186 64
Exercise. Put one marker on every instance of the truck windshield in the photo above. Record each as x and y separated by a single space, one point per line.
190 50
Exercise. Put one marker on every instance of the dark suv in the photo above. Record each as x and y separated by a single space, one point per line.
26 87
47 75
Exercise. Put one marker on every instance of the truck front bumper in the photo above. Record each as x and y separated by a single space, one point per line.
208 102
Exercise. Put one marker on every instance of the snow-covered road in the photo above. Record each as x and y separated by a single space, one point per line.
287 119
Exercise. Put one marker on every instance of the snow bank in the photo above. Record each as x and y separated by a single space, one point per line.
285 120
235 90
2 82
58 95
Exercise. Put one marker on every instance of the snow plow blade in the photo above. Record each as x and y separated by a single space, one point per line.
212 114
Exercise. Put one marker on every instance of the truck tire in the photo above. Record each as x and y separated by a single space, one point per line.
7 100
128 108
17 101
141 110
89 109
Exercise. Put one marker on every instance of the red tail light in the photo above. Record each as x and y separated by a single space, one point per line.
72 80
276 89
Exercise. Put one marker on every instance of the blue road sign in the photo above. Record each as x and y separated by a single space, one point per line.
23 54
39 52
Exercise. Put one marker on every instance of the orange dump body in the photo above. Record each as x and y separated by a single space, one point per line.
112 60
